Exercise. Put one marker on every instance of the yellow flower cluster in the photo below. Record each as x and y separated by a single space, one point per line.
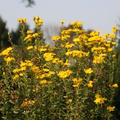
88 71
111 108
21 20
95 44
77 53
16 76
99 99
64 74
76 24
90 84
22 67
9 59
114 29
45 82
76 82
27 103
98 50
115 85
38 21
6 51
69 45
44 73
48 56
55 38
30 36
99 59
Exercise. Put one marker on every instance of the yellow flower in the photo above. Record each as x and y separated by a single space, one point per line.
21 20
114 56
76 24
28 38
69 45
114 29
95 33
35 35
3 73
90 84
62 21
65 37
50 73
42 49
106 35
107 45
6 51
55 38
48 56
16 77
16 70
99 59
28 63
64 74
38 21
76 40
98 49
99 99
113 43
111 108
88 71
21 74
9 59
109 49
66 63
55 60
23 68
69 100
24 20
43 82
29 47
115 85
29 32
77 53
8 33
22 64
35 68
76 82
112 36
27 103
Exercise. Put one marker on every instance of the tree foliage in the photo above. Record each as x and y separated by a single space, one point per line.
3 34
29 2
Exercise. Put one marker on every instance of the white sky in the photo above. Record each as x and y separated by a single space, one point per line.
95 14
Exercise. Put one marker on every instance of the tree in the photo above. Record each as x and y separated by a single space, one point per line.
4 42
16 34
29 2
116 100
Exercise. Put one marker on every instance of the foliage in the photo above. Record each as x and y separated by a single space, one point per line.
29 2
3 34
116 101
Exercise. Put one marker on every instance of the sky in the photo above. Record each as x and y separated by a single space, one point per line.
95 14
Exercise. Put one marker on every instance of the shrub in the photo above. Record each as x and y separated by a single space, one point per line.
72 80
